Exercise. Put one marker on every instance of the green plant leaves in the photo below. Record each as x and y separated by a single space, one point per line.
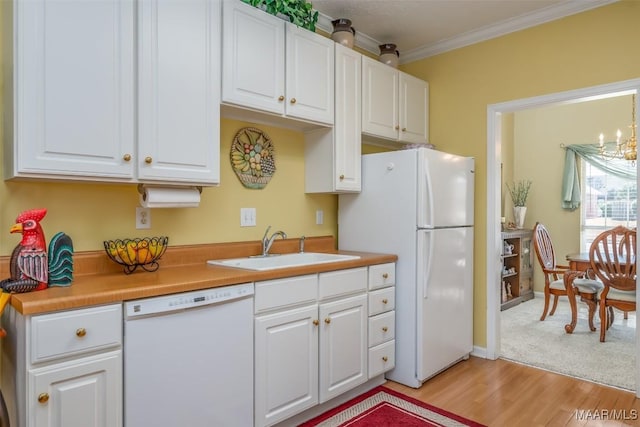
299 12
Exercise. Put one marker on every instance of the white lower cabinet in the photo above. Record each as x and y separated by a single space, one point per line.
310 341
63 369
286 364
382 319
343 345
80 393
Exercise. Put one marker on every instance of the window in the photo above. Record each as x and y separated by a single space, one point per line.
608 201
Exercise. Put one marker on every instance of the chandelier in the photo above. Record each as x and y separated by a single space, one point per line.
626 149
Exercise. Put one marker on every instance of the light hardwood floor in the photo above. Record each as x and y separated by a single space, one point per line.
502 393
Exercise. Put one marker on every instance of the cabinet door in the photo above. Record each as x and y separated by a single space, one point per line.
252 58
82 393
379 99
286 364
343 345
179 102
414 109
348 119
73 76
309 75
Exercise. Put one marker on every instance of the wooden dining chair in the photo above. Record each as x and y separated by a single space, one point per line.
553 273
613 260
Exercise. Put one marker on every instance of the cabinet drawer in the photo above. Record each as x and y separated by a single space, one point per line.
382 275
271 294
382 300
382 328
74 332
342 282
382 358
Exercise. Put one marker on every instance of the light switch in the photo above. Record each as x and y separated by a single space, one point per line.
247 217
319 217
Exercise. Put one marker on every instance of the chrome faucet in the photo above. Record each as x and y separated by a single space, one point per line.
302 244
268 241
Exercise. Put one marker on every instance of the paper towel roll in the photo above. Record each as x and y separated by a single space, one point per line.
170 197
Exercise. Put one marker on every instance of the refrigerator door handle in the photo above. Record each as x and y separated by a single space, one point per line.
425 253
428 212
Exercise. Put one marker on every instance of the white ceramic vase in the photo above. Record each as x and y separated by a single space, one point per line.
519 212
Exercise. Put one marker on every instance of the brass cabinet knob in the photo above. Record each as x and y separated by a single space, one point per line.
43 397
81 332
385 329
281 98
384 301
315 322
397 127
327 320
293 100
385 358
148 160
341 177
404 129
385 275
126 157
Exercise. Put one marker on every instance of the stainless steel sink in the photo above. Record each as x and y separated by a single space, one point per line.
272 262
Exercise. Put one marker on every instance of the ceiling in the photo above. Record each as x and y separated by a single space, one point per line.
422 28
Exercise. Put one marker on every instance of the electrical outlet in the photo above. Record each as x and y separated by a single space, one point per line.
247 217
143 218
319 217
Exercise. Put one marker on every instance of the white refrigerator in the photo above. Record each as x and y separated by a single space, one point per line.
418 204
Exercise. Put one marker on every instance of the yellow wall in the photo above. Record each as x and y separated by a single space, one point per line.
588 49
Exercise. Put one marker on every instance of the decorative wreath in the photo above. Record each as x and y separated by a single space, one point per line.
253 157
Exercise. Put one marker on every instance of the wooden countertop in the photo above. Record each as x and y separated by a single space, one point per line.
115 286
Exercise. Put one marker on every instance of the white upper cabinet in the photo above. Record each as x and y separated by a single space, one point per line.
309 75
70 98
332 156
252 58
79 93
395 105
272 66
413 109
179 101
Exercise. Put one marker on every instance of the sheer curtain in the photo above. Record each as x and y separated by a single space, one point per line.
589 153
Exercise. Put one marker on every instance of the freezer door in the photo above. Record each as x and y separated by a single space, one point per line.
445 189
444 298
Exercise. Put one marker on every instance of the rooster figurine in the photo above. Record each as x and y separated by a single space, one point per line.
30 266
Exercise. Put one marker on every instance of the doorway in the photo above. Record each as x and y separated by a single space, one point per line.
494 191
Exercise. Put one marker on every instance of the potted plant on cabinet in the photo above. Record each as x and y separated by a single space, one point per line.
519 192
299 12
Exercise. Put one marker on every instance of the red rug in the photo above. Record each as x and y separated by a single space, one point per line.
383 407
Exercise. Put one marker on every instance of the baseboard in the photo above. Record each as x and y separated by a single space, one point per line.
479 352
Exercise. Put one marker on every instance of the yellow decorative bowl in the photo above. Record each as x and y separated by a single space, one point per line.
133 253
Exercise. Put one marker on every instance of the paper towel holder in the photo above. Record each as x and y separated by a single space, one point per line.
169 196
141 187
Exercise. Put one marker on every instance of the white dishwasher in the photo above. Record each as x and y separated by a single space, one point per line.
188 359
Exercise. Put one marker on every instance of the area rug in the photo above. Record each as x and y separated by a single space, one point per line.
383 407
546 345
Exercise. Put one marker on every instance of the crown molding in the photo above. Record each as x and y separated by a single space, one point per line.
522 22
548 14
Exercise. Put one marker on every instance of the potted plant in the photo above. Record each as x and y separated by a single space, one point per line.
299 12
519 192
